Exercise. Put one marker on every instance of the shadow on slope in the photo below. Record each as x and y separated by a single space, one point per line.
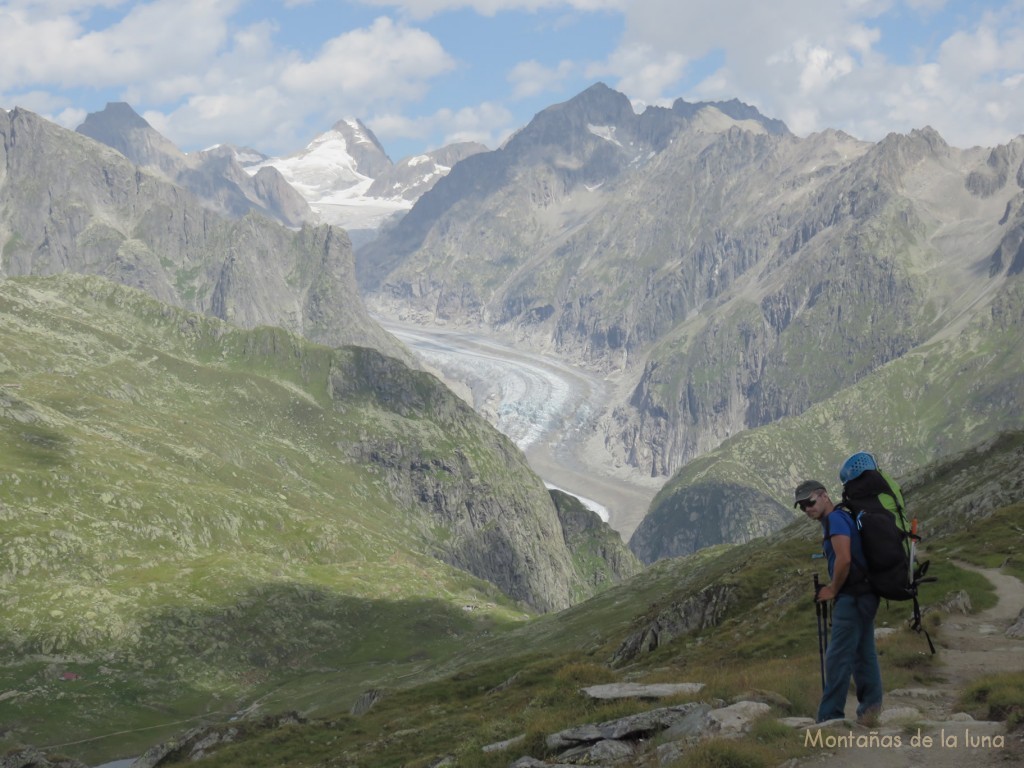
276 644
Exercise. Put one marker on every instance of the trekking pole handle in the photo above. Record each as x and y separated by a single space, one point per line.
817 587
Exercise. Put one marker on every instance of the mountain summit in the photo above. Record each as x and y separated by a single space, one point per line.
349 180
213 176
122 128
347 157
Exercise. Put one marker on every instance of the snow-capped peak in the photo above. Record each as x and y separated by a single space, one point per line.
348 180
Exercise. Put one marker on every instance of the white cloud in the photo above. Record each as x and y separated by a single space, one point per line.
996 44
486 123
216 81
386 60
41 102
150 40
203 74
49 8
643 73
271 97
30 48
820 64
820 67
422 9
531 78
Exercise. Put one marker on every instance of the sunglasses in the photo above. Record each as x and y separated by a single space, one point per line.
807 503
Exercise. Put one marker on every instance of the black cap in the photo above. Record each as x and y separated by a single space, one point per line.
805 489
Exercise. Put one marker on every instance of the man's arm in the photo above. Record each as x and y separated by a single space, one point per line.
840 570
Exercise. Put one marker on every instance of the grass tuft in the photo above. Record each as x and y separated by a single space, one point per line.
997 697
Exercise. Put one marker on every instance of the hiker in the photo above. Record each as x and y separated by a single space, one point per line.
851 648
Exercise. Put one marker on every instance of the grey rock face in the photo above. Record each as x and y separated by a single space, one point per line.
591 539
705 609
196 742
737 274
68 204
122 128
631 727
701 515
625 740
501 529
1016 631
214 176
364 148
640 690
411 177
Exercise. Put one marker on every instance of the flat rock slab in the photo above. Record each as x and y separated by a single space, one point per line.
501 746
734 719
639 691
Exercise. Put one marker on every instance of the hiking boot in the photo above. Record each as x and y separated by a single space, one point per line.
869 719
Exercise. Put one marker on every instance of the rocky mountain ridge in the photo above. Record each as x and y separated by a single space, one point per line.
956 388
71 204
213 176
729 274
709 258
343 177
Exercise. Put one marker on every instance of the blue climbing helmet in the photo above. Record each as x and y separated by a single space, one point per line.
854 466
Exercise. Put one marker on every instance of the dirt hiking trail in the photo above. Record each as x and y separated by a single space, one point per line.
923 726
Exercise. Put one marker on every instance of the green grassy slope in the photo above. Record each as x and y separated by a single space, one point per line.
188 525
526 680
189 518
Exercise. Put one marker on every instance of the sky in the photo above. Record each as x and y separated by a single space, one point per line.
425 73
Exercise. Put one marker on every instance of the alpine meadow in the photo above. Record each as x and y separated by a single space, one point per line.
243 525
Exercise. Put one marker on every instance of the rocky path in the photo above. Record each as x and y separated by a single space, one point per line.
923 726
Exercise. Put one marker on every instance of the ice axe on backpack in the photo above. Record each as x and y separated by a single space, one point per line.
916 576
914 538
916 571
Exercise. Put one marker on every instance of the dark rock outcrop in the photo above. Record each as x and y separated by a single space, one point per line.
700 611
596 547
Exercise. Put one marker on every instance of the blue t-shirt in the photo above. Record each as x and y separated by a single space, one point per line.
839 523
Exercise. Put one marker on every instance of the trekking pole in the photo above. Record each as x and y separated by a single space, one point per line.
827 616
819 612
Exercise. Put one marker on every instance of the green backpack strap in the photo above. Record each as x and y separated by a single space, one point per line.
893 501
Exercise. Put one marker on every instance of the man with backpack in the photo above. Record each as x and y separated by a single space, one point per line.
851 649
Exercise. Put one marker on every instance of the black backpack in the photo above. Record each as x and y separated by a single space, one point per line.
888 540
